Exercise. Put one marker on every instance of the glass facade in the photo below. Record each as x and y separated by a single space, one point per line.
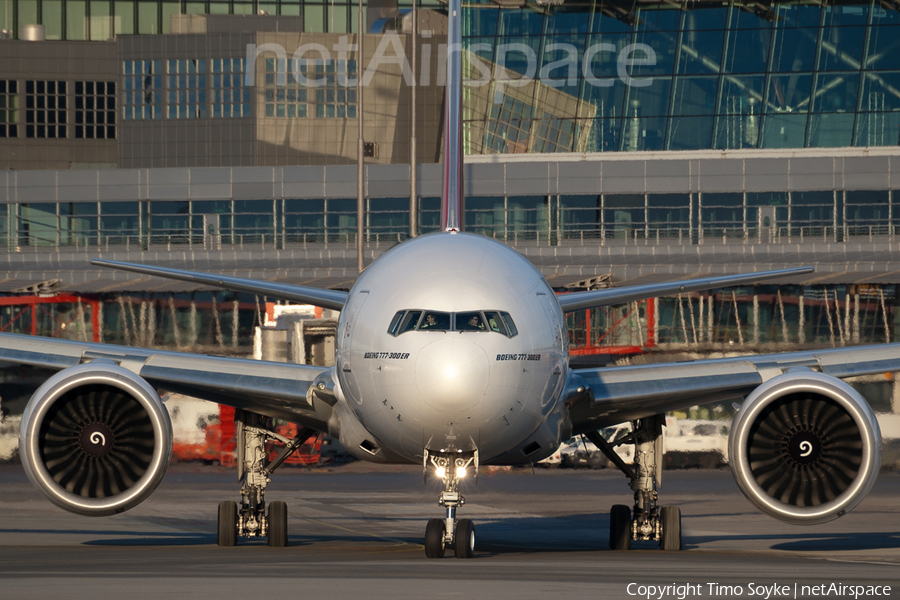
765 315
558 219
100 20
607 75
718 75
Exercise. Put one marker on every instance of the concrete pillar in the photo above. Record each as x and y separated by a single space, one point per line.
755 319
297 343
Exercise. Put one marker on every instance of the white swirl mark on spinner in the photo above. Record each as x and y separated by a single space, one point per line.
806 448
98 438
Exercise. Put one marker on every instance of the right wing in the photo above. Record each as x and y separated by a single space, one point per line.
333 299
592 299
273 389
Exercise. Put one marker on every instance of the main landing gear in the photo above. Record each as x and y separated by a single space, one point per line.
458 534
648 521
254 469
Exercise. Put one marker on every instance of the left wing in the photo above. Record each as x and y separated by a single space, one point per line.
610 395
268 388
333 299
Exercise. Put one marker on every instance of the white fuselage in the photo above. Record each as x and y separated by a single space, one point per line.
452 388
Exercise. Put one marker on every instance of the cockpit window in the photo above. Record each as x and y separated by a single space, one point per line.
403 321
469 321
435 321
510 326
490 320
394 327
410 321
495 322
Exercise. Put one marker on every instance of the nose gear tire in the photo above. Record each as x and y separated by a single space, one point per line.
278 535
465 539
620 527
434 538
227 535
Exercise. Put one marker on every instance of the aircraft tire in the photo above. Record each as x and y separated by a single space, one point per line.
434 538
227 534
619 527
670 519
278 532
465 539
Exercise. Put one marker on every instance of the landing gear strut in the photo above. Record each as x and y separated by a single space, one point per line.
458 534
649 522
254 469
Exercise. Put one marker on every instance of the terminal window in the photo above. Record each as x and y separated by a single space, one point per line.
230 98
286 93
335 94
554 134
509 126
187 89
45 109
95 110
9 104
142 81
324 88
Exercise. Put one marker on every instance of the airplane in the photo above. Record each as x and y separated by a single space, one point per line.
450 353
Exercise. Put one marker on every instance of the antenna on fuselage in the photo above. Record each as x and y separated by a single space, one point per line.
452 198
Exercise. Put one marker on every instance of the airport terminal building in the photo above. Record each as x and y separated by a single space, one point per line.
608 141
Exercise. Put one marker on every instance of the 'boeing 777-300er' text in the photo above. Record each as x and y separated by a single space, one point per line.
451 352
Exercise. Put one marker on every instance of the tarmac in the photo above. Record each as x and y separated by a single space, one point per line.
356 532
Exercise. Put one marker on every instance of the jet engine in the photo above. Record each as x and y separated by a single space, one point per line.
805 447
96 439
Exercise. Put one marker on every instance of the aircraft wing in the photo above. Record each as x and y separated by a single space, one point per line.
268 388
592 299
613 395
333 299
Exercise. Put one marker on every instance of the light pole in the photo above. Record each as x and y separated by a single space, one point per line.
413 158
360 147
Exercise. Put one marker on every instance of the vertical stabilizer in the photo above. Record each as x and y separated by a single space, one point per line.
452 200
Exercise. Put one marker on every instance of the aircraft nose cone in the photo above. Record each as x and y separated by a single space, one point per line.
452 373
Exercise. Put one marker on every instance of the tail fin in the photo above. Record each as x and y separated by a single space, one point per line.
452 198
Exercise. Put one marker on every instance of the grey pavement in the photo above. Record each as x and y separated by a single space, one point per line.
356 532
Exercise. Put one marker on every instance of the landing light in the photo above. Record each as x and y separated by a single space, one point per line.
460 472
440 472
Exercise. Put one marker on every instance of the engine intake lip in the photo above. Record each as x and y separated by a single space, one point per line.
832 395
46 402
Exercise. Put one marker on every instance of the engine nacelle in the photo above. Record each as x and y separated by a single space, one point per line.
96 439
805 447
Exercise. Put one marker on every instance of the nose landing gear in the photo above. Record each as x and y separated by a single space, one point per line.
458 534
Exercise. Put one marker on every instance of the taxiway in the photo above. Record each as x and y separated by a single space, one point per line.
356 530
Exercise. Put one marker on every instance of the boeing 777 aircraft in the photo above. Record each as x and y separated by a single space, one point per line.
451 353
